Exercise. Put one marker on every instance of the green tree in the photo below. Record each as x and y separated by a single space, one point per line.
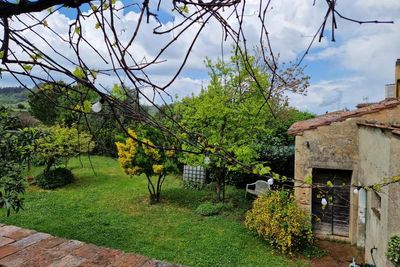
53 104
228 114
231 117
15 150
60 144
63 105
146 157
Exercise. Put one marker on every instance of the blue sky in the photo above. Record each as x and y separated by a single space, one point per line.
351 70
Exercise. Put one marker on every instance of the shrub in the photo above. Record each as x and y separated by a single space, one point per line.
62 143
393 252
187 184
56 178
21 106
278 219
209 209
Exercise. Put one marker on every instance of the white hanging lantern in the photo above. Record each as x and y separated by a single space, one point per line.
270 181
207 160
96 107
355 191
324 202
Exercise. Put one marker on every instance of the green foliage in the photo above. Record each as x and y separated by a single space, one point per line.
192 185
56 178
78 71
27 67
15 150
308 180
78 30
119 92
228 113
393 252
277 218
12 97
231 117
21 106
313 251
70 106
61 143
52 104
139 155
329 184
209 209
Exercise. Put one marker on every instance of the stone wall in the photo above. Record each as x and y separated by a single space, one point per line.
334 146
379 151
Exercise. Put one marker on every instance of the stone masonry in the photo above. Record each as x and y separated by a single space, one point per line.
23 247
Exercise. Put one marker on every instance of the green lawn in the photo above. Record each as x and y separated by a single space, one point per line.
111 209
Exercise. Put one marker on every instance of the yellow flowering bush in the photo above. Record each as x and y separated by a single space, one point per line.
149 149
158 168
137 156
126 154
277 218
170 153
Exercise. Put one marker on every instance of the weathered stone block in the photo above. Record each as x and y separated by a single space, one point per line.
7 250
5 241
30 240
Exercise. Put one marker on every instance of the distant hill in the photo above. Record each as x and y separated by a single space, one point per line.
12 90
14 97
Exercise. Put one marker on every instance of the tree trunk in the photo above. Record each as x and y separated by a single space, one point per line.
155 190
152 190
50 162
220 183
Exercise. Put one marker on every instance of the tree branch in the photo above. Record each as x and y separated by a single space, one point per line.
8 9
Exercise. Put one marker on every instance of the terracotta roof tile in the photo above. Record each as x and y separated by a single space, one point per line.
395 129
299 127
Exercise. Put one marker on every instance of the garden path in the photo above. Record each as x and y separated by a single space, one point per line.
23 247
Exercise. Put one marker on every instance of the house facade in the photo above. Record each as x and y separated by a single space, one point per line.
379 150
340 151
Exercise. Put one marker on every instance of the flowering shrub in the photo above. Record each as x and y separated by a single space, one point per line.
136 158
278 219
393 252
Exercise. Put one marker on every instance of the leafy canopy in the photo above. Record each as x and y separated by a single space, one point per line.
230 114
53 104
62 143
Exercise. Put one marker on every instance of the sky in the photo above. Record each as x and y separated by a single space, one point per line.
352 70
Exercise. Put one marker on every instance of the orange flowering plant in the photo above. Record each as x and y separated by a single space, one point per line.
139 155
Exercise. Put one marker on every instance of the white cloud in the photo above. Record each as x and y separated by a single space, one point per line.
326 96
365 53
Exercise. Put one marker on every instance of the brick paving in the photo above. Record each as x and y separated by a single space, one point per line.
23 247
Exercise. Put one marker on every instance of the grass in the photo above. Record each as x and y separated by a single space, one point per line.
111 209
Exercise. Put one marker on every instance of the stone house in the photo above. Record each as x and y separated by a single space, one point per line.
379 212
350 149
